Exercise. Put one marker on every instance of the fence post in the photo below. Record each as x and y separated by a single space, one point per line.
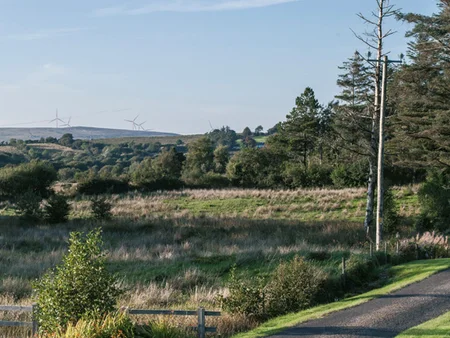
201 323
398 247
385 252
33 319
343 270
371 249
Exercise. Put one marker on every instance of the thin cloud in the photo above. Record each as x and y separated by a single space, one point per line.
44 34
188 6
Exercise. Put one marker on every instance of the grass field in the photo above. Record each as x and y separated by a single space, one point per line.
175 249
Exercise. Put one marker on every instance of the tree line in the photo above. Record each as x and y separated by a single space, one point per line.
317 145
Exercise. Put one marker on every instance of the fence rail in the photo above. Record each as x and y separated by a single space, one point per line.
201 314
10 308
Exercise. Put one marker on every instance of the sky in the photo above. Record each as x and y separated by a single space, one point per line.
181 65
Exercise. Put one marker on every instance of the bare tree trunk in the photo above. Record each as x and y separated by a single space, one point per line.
377 38
370 194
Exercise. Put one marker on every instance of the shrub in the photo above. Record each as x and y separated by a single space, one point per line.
28 206
360 271
57 209
390 213
434 198
34 176
80 287
101 208
297 176
294 286
253 167
99 186
246 297
350 175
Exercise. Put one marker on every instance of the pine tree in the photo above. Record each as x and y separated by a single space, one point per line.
302 126
422 92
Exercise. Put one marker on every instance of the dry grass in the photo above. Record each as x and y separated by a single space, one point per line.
52 146
9 150
175 249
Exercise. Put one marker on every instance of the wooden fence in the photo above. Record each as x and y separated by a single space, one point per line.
201 314
32 324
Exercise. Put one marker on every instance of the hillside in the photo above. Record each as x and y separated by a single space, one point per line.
84 133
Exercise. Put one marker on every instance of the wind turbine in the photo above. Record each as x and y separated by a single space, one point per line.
31 135
57 119
140 126
67 124
135 125
211 126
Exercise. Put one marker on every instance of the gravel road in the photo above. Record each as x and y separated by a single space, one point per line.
386 316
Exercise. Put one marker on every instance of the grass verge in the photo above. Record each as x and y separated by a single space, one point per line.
436 328
401 276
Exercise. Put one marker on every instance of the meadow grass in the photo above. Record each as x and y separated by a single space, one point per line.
175 249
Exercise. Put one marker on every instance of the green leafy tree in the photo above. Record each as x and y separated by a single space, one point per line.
221 158
224 136
168 165
66 140
252 167
35 176
199 161
81 287
259 130
246 132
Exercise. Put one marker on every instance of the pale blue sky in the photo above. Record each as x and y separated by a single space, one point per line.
177 63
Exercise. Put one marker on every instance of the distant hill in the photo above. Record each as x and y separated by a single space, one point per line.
84 133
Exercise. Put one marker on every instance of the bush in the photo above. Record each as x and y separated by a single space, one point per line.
34 176
246 297
350 175
80 287
434 198
360 271
296 176
294 286
57 209
390 213
101 208
253 167
99 186
28 206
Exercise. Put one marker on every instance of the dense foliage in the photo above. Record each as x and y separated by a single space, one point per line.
80 287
